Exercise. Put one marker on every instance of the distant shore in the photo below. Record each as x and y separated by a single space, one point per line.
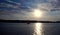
27 21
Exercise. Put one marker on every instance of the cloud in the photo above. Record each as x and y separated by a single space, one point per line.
11 9
55 4
13 2
51 5
9 5
23 11
45 6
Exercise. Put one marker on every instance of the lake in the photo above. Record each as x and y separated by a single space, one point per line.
30 29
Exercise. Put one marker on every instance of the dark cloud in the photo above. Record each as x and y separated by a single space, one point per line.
56 4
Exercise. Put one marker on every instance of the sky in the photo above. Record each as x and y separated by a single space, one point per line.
23 9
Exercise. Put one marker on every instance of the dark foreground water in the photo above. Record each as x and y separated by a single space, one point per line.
30 29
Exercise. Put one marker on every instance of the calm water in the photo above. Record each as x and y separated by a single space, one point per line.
30 29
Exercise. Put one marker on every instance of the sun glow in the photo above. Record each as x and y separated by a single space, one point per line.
37 13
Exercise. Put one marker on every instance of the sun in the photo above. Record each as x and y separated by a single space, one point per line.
37 13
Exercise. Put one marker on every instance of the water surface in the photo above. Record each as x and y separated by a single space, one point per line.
30 29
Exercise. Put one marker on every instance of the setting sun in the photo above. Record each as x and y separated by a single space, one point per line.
37 13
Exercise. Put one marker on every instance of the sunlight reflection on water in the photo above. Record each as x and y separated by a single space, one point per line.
38 29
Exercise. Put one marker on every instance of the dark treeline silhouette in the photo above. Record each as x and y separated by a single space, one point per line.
27 21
